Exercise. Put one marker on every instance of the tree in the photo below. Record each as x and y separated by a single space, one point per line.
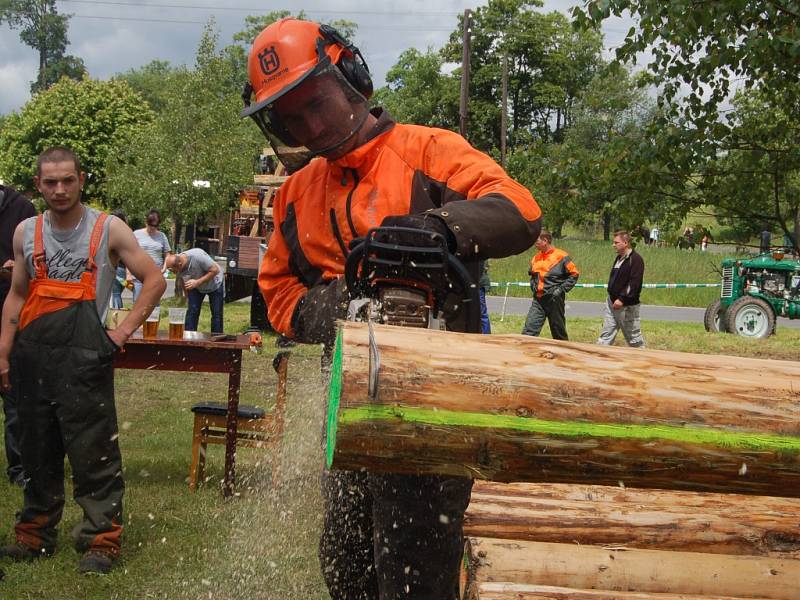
153 81
701 52
545 170
69 66
549 63
755 181
195 156
94 118
703 48
595 173
417 91
42 28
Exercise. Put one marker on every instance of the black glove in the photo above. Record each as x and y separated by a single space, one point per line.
315 316
425 222
557 292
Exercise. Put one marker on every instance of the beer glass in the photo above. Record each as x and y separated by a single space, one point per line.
177 317
150 326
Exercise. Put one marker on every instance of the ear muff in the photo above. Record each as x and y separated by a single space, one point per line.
352 64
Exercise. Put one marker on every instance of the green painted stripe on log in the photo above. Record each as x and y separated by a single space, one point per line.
334 393
716 437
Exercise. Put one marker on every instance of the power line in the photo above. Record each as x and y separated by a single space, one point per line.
426 29
140 19
261 9
187 22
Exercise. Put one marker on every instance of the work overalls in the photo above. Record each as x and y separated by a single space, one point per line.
65 391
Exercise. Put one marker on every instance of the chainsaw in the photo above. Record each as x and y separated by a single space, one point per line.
413 283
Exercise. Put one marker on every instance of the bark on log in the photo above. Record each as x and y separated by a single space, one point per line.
635 518
649 571
519 591
518 408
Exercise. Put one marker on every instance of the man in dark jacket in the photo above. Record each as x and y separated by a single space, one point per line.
14 208
624 287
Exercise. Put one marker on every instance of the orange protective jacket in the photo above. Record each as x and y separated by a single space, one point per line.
401 169
552 270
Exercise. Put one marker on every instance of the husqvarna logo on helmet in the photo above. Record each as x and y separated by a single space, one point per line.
269 61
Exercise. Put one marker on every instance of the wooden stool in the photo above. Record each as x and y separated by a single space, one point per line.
255 428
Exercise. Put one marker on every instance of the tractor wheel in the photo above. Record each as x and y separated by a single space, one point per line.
750 317
714 319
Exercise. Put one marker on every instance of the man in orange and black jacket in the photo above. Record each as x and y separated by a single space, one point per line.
553 274
384 536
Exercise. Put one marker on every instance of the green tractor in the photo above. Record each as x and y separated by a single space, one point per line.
755 291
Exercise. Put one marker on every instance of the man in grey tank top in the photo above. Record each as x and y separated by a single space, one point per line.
64 378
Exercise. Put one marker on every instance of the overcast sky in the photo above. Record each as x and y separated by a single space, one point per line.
112 36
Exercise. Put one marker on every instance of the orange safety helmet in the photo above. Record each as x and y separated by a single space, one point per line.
284 55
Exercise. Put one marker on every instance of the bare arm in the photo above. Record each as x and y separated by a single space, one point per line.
167 254
13 306
123 245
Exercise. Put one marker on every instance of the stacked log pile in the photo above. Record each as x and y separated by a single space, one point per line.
653 475
585 542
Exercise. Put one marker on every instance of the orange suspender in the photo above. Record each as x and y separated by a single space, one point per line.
39 263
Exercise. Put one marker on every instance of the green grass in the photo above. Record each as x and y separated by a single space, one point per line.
262 543
594 259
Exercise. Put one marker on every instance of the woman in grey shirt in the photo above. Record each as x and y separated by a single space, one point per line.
154 242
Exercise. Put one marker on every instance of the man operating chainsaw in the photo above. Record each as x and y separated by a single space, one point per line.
352 170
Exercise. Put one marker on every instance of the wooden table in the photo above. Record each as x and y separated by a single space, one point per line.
196 352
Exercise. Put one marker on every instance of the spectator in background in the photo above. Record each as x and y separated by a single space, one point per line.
624 287
553 274
766 240
155 243
121 279
483 286
704 242
646 233
14 208
201 277
654 233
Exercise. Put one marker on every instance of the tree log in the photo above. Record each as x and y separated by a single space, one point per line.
518 408
654 520
648 571
519 591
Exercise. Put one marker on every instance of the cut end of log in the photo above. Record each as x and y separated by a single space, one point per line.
334 394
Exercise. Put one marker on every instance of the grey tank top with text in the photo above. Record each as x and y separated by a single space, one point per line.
67 254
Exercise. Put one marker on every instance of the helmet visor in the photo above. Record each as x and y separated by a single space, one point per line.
318 117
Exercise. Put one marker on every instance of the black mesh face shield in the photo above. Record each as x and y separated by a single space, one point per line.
317 117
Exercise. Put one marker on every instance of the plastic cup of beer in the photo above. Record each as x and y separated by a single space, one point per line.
177 317
150 326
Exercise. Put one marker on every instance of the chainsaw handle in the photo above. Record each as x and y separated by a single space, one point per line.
351 265
473 299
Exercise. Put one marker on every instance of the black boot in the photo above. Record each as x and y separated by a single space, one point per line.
97 562
19 552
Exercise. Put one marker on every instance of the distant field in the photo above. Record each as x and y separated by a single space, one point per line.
594 259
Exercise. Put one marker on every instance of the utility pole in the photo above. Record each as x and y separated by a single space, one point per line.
504 112
462 109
